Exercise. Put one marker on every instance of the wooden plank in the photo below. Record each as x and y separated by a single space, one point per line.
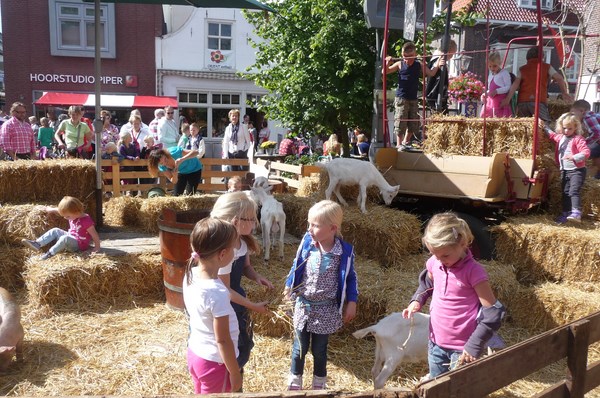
577 357
592 379
558 390
474 379
594 320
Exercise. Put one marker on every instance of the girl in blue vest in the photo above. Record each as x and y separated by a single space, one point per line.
322 283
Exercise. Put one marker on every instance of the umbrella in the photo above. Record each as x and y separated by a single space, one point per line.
245 4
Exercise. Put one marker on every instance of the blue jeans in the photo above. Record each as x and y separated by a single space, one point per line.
571 183
441 360
302 339
64 241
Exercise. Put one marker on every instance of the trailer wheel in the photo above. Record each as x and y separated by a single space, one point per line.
483 246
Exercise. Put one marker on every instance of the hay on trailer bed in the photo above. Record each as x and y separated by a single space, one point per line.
542 251
458 135
77 279
548 305
152 208
123 211
27 221
47 181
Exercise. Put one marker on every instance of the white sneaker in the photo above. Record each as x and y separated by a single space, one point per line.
319 383
294 382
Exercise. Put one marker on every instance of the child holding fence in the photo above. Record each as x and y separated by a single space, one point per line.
212 343
77 238
499 82
464 311
322 283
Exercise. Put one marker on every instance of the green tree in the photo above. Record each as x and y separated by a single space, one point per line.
317 62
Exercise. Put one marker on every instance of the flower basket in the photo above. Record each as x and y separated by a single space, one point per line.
268 145
465 88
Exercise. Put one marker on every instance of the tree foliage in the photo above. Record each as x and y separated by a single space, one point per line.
317 62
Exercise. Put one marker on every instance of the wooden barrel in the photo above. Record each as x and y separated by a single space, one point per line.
175 228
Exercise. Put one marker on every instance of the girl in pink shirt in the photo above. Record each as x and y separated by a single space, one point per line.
81 231
464 312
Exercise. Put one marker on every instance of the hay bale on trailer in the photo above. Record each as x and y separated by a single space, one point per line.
548 305
26 181
458 135
27 221
80 280
540 250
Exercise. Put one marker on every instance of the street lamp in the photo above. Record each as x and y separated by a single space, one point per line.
462 62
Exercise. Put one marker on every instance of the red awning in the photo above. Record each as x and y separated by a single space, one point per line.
106 100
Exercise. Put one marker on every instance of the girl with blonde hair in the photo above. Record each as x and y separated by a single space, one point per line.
240 210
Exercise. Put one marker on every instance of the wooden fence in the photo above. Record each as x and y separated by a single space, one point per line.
289 173
211 175
113 173
483 377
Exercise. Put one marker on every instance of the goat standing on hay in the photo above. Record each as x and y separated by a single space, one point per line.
272 219
346 171
396 340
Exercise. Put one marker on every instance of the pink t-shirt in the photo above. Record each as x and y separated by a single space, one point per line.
78 228
454 304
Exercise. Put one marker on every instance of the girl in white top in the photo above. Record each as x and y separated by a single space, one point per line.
240 210
212 344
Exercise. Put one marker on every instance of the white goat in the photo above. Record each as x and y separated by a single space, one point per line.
397 339
272 219
347 171
262 182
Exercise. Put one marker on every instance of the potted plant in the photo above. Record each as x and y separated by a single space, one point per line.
466 89
268 147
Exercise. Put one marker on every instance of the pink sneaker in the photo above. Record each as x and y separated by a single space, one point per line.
294 382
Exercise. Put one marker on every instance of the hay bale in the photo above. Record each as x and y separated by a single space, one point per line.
548 305
80 279
11 266
399 284
123 211
457 135
27 221
540 250
557 107
26 181
316 185
590 197
151 209
383 234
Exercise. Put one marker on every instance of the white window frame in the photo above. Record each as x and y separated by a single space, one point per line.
220 37
572 73
109 50
546 4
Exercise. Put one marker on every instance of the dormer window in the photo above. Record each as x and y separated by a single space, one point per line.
546 4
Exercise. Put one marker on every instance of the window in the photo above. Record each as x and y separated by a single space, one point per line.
193 98
226 99
572 72
219 36
546 4
72 29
